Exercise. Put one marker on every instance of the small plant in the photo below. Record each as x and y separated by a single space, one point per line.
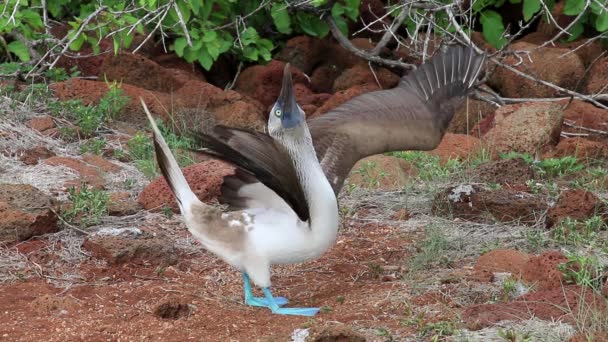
509 287
370 175
94 146
577 233
438 329
431 251
583 270
141 150
88 206
340 299
510 335
557 167
536 238
167 212
429 166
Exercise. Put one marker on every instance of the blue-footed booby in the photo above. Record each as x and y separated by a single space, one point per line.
412 116
253 239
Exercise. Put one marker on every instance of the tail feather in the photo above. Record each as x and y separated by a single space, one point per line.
446 79
456 70
170 169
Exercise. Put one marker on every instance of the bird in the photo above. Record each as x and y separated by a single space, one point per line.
251 240
414 115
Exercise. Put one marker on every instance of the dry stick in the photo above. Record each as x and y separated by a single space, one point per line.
550 85
570 124
388 34
565 30
182 24
78 33
69 225
154 30
360 53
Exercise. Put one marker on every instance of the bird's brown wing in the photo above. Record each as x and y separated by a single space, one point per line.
412 116
258 158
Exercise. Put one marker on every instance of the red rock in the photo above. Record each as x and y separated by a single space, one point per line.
583 114
597 78
33 155
381 172
583 149
577 204
342 96
468 115
361 74
139 71
303 52
101 163
456 146
343 58
500 260
568 304
511 172
542 272
525 127
132 245
263 82
41 123
88 174
25 212
554 65
241 114
323 78
474 203
205 179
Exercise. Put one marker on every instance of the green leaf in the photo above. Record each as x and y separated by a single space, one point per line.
530 8
32 18
342 25
493 28
213 50
179 45
312 25
196 7
574 7
281 18
515 1
209 36
20 50
575 31
337 10
601 22
77 43
352 9
94 44
205 60
250 53
249 36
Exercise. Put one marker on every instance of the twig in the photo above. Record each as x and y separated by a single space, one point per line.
230 85
360 53
68 224
572 125
182 24
388 34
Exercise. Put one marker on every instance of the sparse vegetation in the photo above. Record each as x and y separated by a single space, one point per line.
141 150
431 249
584 270
88 206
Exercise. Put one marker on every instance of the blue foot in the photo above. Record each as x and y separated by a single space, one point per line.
263 302
276 309
258 301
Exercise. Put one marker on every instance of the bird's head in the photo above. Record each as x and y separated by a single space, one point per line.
286 115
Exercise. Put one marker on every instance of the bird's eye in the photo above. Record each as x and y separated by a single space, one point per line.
278 112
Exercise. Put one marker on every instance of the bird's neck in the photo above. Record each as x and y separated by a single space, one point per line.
320 197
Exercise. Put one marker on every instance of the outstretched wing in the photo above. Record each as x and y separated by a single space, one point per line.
258 159
412 116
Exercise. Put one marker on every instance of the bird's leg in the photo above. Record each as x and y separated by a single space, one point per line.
276 309
257 301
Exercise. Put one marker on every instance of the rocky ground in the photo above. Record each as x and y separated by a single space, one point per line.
469 242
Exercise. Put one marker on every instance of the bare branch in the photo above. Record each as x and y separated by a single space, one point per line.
389 33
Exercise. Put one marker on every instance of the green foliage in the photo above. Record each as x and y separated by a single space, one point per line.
202 30
90 118
95 146
429 166
141 150
583 270
88 206
431 250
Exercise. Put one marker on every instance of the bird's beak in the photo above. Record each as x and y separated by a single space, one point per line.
292 116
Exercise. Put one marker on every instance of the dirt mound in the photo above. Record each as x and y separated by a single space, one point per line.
509 172
500 260
456 146
542 271
475 203
566 304
577 204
